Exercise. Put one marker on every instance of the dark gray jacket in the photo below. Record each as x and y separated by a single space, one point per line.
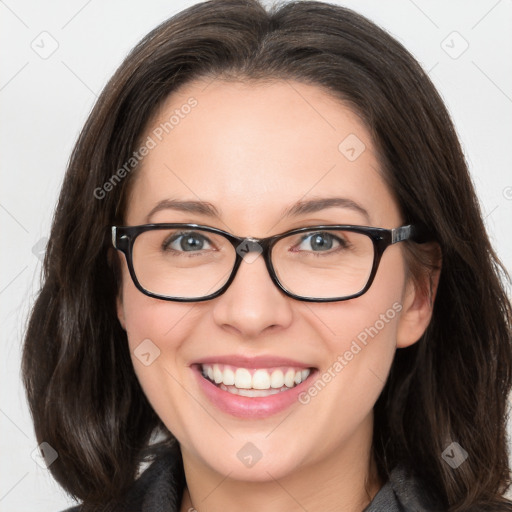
160 488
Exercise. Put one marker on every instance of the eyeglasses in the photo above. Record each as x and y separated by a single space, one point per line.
191 262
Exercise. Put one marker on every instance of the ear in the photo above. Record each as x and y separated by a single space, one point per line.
418 301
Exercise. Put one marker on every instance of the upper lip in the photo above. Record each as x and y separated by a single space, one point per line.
252 362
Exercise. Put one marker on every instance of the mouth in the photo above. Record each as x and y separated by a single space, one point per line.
254 382
258 389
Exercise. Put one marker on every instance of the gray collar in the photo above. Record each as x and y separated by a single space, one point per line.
403 492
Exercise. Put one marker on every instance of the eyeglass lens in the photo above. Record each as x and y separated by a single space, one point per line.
185 263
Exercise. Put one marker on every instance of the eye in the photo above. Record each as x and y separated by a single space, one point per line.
186 242
322 241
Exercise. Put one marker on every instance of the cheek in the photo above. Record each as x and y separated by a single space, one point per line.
148 320
154 329
360 337
156 333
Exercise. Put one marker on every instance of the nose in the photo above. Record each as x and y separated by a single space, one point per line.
252 303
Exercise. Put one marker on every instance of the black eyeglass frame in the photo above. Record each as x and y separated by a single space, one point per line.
123 239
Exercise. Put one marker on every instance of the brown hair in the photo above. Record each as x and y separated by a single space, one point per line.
452 385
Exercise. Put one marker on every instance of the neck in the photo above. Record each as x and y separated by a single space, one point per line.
345 480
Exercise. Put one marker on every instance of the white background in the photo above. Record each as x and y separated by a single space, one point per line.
44 103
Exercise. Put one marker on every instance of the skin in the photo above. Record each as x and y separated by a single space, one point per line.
251 150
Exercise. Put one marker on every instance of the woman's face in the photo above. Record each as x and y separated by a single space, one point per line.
252 151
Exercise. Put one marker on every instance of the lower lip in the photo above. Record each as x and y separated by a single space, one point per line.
250 407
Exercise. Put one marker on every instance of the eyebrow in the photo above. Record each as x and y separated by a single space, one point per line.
295 210
316 205
198 207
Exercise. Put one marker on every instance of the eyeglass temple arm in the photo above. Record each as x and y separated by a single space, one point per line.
416 232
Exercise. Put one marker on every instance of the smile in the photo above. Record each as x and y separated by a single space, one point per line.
252 393
254 382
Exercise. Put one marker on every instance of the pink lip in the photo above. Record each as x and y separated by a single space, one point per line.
251 407
253 362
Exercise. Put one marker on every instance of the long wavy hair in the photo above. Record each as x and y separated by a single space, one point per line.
452 385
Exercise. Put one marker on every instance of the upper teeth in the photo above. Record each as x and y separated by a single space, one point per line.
260 378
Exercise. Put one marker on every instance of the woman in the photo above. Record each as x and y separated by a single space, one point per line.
269 280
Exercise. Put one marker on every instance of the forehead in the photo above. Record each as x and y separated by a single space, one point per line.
251 149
